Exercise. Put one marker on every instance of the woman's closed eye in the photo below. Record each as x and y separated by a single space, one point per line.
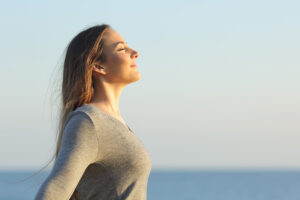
124 48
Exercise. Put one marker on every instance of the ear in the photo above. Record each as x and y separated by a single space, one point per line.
99 69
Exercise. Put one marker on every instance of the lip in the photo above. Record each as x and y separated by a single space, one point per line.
134 65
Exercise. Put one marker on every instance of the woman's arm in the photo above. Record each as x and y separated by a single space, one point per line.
79 148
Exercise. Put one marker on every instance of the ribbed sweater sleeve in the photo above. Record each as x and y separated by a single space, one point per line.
79 148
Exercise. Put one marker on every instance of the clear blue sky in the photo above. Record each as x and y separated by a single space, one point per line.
219 83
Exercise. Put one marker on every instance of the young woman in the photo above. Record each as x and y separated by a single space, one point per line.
98 157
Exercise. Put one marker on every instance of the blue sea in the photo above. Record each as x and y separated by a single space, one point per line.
182 185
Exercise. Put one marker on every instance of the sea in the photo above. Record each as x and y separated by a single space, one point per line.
182 185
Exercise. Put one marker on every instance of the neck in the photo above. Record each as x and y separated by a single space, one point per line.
106 97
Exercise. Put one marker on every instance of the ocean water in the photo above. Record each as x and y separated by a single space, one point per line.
183 185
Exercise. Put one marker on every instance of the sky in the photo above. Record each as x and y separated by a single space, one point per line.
219 85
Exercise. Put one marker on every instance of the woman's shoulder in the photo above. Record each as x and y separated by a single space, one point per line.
84 112
87 109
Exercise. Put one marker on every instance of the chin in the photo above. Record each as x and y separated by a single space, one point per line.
135 78
138 78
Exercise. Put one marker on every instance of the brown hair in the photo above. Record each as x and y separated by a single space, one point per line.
77 85
77 88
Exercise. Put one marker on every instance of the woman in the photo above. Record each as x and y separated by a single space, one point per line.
97 156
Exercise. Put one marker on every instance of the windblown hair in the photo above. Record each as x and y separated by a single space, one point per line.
84 50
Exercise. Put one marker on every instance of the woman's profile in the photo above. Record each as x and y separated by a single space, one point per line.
98 157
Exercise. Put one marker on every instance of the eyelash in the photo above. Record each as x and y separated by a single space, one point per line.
122 49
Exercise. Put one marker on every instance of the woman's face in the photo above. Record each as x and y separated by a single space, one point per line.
119 65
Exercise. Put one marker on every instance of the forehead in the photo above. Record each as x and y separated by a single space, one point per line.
112 38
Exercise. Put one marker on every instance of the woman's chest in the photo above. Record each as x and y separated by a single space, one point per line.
121 148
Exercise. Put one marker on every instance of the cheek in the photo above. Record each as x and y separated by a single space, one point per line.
121 60
119 64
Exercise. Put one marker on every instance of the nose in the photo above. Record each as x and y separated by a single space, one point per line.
135 53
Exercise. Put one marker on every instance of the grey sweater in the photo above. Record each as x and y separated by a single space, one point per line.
100 157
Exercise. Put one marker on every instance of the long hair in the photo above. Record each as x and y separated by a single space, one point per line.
83 51
77 85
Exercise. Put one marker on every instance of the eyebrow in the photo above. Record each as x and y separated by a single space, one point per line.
116 44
